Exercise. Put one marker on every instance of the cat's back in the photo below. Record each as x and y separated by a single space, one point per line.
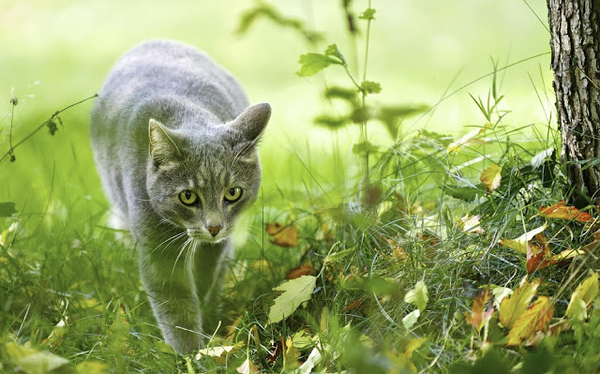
160 73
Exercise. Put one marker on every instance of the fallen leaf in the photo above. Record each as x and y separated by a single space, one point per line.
583 296
219 351
247 368
470 224
491 177
536 318
521 243
355 304
479 315
283 236
300 271
295 292
560 210
411 318
514 305
418 296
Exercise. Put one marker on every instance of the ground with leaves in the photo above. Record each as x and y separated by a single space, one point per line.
429 252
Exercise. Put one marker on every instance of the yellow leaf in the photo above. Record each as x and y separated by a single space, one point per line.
218 351
467 139
283 236
247 368
479 315
520 244
92 367
514 305
535 318
559 210
583 297
470 224
491 177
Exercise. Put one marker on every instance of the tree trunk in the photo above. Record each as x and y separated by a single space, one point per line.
575 38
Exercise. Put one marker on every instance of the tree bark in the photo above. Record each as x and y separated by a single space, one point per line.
575 38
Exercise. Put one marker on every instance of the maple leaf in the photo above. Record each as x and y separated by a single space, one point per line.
479 315
560 210
583 296
491 177
283 236
536 318
295 292
514 305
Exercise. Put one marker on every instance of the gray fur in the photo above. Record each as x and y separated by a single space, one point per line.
168 119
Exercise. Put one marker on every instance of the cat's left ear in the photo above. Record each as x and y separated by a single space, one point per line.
251 123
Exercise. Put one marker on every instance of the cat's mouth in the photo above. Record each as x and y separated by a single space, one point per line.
203 236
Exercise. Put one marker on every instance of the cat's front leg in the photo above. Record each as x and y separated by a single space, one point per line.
169 284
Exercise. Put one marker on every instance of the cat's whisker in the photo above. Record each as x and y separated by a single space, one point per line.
168 242
183 247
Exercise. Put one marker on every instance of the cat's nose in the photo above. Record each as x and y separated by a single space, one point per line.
214 230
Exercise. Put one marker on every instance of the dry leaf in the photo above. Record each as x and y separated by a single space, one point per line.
491 177
535 318
583 296
559 210
355 304
521 243
300 271
247 368
514 305
283 236
479 315
470 224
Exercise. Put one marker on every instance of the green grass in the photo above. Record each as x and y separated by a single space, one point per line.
70 287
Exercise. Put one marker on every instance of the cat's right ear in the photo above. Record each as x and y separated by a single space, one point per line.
162 146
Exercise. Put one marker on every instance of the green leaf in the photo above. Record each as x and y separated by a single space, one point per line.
418 296
370 87
364 148
332 123
360 115
295 292
333 50
32 361
467 194
583 296
341 93
411 318
312 63
368 14
7 209
392 116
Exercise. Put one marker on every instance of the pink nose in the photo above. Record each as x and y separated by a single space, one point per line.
214 230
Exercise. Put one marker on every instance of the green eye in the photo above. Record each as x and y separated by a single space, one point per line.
188 197
233 194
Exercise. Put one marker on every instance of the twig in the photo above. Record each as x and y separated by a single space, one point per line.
51 119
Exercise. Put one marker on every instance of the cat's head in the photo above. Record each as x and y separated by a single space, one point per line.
201 182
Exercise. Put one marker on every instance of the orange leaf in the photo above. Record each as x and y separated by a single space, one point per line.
491 177
300 271
283 236
479 316
559 210
513 306
536 318
355 304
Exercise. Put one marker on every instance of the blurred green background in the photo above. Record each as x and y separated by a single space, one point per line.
54 53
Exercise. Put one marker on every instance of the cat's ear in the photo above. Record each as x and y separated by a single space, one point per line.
162 146
251 123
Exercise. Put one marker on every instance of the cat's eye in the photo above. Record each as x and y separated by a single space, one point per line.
188 197
233 194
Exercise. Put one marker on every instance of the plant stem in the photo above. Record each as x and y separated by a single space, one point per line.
12 148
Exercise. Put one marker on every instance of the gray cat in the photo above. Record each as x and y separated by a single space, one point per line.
175 146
